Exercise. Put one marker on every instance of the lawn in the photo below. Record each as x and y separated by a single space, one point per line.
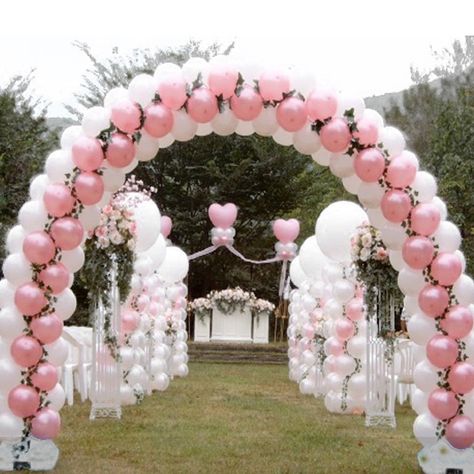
226 418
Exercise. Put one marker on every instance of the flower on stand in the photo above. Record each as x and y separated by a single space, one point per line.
260 305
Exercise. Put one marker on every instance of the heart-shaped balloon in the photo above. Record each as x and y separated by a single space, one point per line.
286 231
223 216
166 226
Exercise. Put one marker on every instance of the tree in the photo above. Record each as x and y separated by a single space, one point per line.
25 141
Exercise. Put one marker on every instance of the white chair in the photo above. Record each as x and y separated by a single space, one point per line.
404 366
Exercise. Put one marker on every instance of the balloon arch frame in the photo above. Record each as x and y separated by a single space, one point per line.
223 97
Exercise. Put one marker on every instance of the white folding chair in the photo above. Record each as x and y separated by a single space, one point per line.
74 372
406 363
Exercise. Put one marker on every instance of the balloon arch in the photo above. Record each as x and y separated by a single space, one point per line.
224 98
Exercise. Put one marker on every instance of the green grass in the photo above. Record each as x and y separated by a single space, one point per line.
226 418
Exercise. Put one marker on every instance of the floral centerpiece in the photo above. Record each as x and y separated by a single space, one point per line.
259 306
201 307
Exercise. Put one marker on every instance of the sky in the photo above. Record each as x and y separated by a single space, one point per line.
361 47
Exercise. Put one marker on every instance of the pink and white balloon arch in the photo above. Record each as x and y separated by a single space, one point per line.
224 98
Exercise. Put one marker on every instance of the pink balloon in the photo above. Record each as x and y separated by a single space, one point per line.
87 153
401 171
166 226
335 135
142 302
355 309
246 104
291 114
154 308
23 401
38 247
172 91
442 351
45 377
129 321
126 116
418 252
286 231
460 432
120 150
222 80
202 105
30 299
46 424
446 268
223 216
58 199
367 132
67 233
458 322
461 377
344 329
26 351
369 165
55 276
158 120
89 188
443 404
396 205
334 346
321 104
433 300
47 329
273 85
425 218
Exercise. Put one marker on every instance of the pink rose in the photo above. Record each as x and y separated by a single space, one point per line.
107 210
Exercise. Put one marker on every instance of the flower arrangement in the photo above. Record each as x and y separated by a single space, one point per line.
200 306
260 305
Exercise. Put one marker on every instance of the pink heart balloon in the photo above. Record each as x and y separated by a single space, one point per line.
166 225
286 231
223 216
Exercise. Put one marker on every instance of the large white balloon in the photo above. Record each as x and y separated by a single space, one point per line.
175 266
148 219
335 227
297 275
33 216
311 258
156 252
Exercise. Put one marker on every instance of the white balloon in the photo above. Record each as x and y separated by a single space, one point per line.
421 328
114 95
166 141
357 346
302 81
142 89
306 140
347 102
393 236
166 69
106 197
11 427
419 401
351 183
344 365
311 258
411 281
129 168
10 374
182 370
95 120
193 67
424 429
184 127
161 382
175 265
147 147
70 135
393 140
332 272
396 259
374 117
38 186
57 352
73 259
58 164
297 275
204 129
307 386
7 292
113 178
322 157
243 128
90 217
266 123
370 194
33 216
335 227
425 185
425 376
357 385
411 305
14 240
143 265
156 252
341 166
65 304
148 221
441 205
11 323
224 123
463 290
17 269
282 137
448 237
343 291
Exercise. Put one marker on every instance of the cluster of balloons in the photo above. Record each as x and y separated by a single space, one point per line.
286 231
223 218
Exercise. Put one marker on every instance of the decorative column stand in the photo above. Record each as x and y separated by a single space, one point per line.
106 370
381 383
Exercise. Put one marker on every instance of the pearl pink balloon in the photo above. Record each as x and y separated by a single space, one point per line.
89 188
401 171
335 135
458 322
222 80
442 351
446 268
30 299
47 329
461 377
433 300
55 276
154 308
247 104
142 302
129 321
443 404
23 401
222 216
460 432
172 91
321 104
425 218
38 247
45 377
120 150
87 153
396 205
126 116
355 309
58 199
67 233
273 85
291 114
418 252
26 351
46 424
333 346
202 105
369 165
158 120
286 230
367 132
166 226
344 329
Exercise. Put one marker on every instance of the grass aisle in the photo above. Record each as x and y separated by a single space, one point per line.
226 418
